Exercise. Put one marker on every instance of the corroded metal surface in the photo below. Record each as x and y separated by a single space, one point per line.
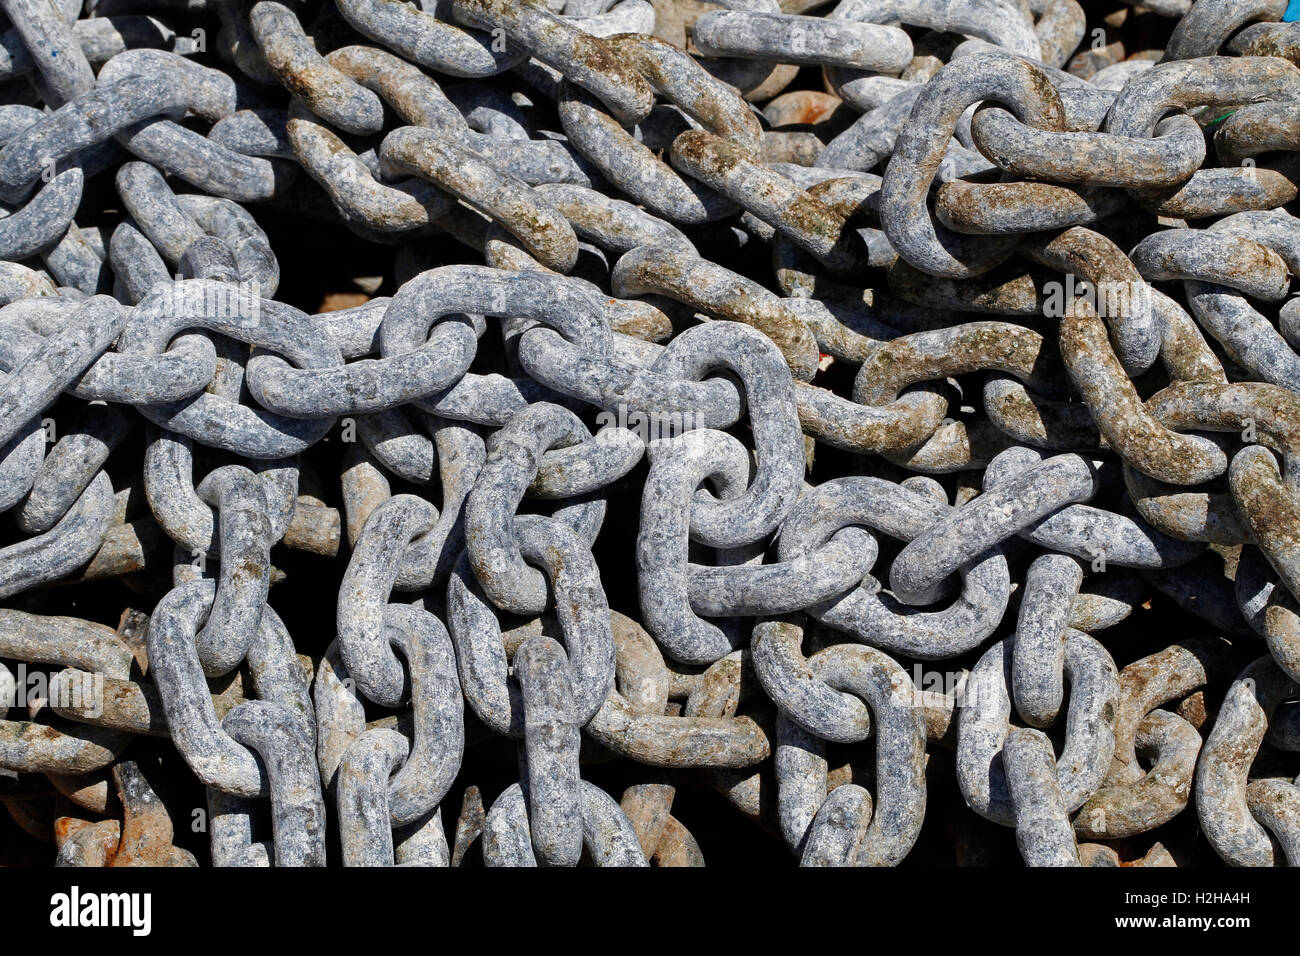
526 432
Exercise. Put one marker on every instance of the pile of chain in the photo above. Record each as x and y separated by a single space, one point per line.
837 433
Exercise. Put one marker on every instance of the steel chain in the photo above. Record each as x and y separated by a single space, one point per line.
686 421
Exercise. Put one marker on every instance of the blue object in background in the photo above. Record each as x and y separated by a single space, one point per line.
1292 12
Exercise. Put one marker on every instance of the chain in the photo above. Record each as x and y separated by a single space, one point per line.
880 417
